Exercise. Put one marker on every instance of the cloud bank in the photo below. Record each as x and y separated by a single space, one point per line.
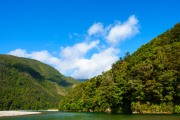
95 54
95 29
123 31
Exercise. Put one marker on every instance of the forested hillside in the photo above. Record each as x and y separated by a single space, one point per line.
30 84
148 81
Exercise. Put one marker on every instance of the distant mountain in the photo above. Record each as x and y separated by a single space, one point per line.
148 81
30 84
82 80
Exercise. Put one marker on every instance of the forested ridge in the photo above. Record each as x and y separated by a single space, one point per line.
30 84
148 81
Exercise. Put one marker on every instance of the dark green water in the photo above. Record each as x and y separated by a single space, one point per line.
91 116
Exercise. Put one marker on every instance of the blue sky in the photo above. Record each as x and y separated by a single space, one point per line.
82 38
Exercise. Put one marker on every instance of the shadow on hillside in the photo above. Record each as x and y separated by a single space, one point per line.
24 68
60 81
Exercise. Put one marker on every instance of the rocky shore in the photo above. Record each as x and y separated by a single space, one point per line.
16 113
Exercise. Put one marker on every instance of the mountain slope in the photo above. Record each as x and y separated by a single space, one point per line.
30 84
148 81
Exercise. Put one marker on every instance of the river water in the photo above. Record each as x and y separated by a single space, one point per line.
91 116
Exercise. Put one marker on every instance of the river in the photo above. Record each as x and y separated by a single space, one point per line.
91 116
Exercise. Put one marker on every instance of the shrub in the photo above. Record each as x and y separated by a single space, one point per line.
177 109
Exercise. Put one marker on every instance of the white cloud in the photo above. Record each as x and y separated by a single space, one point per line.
98 63
70 56
95 29
89 57
19 53
78 50
123 31
43 56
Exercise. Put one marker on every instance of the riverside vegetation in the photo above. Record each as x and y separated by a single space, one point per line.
148 81
29 84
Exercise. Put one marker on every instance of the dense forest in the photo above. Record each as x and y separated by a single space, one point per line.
148 81
30 84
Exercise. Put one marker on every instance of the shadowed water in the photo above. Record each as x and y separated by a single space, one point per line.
91 116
